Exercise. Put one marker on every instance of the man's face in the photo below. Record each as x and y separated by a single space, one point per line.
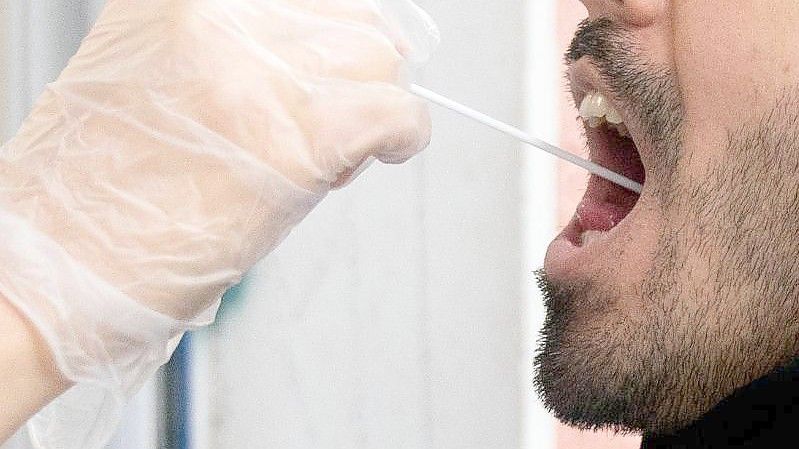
674 299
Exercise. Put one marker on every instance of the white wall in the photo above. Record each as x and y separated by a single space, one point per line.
40 36
542 86
43 34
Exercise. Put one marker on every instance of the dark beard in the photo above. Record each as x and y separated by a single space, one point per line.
699 338
576 372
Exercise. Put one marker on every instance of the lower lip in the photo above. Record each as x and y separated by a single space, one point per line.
567 256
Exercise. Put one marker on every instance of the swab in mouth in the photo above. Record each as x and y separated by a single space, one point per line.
512 131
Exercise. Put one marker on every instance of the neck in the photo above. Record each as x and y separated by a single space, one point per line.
760 415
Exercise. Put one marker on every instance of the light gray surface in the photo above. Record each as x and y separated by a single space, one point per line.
391 317
42 35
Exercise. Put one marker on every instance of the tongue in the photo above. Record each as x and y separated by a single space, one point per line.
600 216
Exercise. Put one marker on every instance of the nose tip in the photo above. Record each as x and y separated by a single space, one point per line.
639 13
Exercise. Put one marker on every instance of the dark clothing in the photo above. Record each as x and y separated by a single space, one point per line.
764 414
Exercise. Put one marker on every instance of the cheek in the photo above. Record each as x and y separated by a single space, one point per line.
732 59
634 260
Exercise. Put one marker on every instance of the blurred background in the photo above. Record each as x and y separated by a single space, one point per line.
403 313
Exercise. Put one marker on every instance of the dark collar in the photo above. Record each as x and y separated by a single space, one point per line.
763 414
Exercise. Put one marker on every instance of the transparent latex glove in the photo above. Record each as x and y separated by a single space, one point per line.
181 144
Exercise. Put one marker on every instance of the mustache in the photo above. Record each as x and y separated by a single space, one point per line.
611 50
601 39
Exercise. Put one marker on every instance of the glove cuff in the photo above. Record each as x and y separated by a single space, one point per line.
108 360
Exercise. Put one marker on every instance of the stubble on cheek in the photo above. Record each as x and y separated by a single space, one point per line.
743 210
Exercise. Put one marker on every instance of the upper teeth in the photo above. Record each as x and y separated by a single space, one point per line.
596 110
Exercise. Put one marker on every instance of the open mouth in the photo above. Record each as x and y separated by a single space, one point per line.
605 205
608 218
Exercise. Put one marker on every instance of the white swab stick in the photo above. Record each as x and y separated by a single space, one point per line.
526 138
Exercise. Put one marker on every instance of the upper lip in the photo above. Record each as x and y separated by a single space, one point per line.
585 78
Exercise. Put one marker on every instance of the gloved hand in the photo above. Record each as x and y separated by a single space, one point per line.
181 144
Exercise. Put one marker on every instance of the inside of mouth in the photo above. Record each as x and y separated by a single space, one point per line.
606 204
